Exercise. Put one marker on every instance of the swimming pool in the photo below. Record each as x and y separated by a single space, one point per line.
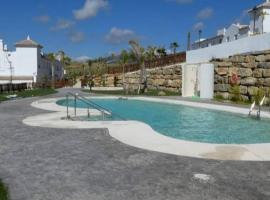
188 123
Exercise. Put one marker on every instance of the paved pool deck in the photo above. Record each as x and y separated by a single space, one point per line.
67 164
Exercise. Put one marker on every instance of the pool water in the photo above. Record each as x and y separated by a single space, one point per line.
188 123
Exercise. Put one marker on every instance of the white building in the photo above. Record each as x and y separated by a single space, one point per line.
259 24
27 64
198 73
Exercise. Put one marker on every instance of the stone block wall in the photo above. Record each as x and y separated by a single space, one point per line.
250 72
167 78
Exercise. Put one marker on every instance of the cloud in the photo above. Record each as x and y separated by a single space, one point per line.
205 13
62 24
76 36
82 58
90 9
182 1
198 26
42 19
242 17
118 36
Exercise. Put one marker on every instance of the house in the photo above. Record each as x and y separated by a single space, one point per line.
27 64
198 72
259 24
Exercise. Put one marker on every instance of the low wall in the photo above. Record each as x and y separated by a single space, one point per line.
224 50
250 72
167 78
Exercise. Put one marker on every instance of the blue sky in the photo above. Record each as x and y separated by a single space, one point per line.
95 28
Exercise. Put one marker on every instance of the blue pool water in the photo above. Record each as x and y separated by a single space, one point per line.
187 123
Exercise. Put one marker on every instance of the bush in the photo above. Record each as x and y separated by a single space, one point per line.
219 97
3 192
259 95
236 95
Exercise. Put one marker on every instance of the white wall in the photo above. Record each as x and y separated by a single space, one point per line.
25 61
206 81
224 50
189 80
266 23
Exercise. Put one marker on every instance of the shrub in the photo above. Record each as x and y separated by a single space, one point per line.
236 95
259 95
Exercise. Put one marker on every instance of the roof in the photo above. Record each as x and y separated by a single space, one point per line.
243 26
28 43
262 5
209 39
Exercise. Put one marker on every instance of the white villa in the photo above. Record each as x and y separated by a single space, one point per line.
198 72
259 24
27 64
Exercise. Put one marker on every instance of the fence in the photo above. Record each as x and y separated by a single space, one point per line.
157 62
10 87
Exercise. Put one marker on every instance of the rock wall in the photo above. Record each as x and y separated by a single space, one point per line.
167 78
250 72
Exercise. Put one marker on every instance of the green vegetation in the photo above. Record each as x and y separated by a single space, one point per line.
236 95
3 192
259 96
29 93
134 93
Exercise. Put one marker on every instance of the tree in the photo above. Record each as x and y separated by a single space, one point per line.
51 57
90 77
161 52
138 53
174 46
150 52
124 58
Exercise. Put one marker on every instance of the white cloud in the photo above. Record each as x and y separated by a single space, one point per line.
42 19
90 9
118 36
76 36
62 24
205 13
198 26
82 58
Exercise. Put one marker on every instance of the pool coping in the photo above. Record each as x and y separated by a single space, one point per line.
141 135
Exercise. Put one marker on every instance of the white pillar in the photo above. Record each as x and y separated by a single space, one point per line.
206 79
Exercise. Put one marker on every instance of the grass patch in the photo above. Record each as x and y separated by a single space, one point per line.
148 93
29 93
3 192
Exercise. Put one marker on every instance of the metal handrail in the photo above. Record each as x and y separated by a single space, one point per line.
90 103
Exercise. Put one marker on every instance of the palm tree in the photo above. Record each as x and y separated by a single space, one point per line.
124 58
150 52
51 57
139 55
174 46
90 77
161 52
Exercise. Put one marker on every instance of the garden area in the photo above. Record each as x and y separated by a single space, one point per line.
27 93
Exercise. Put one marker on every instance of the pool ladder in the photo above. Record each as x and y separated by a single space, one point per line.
90 104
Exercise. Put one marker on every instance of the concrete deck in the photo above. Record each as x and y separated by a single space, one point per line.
82 164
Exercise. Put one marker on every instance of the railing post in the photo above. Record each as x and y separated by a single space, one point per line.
67 101
75 105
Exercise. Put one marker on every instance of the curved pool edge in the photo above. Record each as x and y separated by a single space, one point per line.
141 135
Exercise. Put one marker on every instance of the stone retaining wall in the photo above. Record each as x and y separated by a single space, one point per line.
250 73
167 78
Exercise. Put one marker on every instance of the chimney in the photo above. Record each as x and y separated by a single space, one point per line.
1 45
